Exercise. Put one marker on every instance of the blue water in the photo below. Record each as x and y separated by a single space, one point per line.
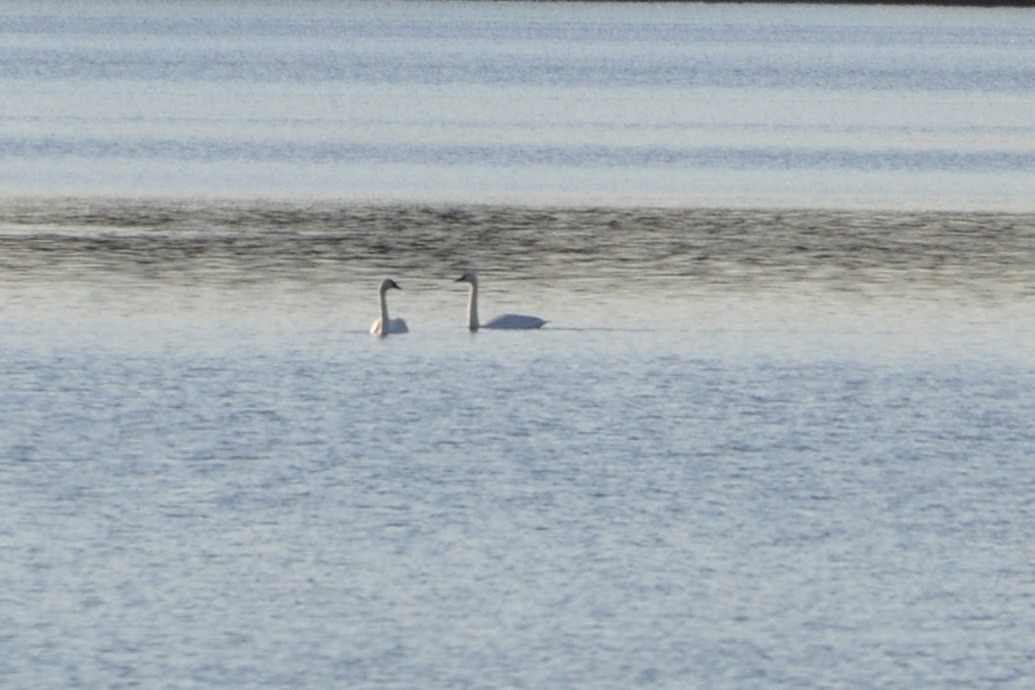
776 434
521 102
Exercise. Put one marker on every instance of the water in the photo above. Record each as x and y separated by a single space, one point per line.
521 102
776 434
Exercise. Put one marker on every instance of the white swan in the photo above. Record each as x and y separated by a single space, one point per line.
511 321
383 325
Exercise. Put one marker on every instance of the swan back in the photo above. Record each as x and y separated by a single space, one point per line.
394 326
515 322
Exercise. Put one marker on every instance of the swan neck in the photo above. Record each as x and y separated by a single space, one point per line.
472 307
384 311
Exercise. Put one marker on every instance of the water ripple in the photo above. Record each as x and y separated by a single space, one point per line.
586 249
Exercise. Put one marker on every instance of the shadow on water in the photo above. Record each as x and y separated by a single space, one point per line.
592 250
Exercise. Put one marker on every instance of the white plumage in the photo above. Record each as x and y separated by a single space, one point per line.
504 321
383 325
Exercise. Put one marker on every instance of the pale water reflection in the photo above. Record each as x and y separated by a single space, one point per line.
673 103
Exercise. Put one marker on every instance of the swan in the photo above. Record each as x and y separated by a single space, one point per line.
383 325
510 321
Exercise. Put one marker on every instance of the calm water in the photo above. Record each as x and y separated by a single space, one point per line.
520 102
777 433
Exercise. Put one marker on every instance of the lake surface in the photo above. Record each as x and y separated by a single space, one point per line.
776 434
521 102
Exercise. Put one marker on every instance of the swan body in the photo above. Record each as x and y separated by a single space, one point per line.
505 321
515 321
383 325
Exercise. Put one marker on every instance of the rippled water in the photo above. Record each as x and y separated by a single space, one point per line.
703 248
777 432
615 103
752 448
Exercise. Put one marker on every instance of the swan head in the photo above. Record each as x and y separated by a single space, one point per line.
468 277
387 284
